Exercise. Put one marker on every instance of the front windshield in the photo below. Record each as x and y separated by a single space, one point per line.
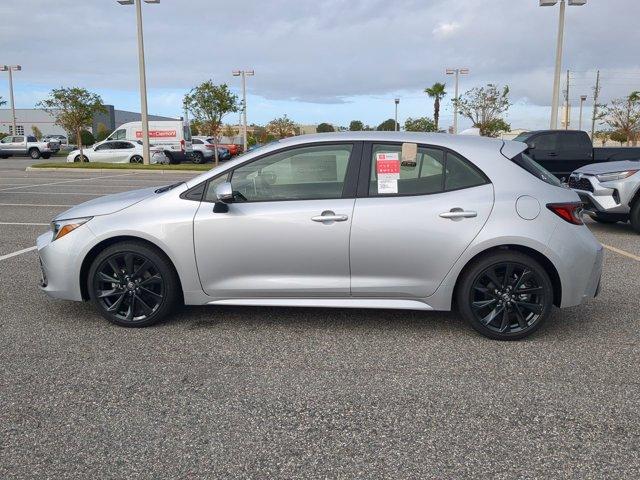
522 137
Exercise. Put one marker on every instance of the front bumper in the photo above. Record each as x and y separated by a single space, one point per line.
608 197
60 262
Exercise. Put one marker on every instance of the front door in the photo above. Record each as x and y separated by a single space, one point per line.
409 230
287 233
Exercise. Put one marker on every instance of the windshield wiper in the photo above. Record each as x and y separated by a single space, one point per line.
168 187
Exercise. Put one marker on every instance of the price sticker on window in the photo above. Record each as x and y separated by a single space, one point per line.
388 170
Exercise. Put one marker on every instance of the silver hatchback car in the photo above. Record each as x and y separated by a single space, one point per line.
359 219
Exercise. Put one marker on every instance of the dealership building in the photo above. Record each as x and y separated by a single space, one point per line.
26 118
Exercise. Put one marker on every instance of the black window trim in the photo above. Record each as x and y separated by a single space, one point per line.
350 182
365 170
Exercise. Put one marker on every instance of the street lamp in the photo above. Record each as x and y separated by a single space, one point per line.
143 78
244 74
395 125
457 72
583 98
556 78
11 68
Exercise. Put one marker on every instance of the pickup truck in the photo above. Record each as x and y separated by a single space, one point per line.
563 151
27 145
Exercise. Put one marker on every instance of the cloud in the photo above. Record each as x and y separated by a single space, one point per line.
444 30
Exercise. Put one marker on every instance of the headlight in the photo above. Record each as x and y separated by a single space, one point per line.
62 227
610 177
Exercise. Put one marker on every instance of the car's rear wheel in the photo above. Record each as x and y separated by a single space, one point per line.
634 217
505 295
133 285
34 153
198 157
136 159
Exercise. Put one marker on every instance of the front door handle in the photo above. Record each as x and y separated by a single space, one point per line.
329 216
458 213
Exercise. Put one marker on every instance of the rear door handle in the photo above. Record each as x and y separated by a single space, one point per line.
458 213
329 216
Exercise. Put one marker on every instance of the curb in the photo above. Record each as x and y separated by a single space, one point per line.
109 170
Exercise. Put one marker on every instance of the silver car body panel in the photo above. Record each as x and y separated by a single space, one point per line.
271 253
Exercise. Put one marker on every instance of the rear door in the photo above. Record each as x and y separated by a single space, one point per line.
574 150
407 233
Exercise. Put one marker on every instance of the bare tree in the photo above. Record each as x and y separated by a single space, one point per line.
623 115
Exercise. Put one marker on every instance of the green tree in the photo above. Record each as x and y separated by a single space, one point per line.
495 127
86 138
2 101
484 106
602 136
356 126
281 127
437 92
324 128
102 132
388 125
73 108
623 116
36 132
421 124
619 136
208 104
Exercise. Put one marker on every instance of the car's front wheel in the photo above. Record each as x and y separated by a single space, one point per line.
198 157
81 159
133 285
136 159
634 216
505 295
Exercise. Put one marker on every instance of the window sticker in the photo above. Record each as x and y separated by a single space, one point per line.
388 170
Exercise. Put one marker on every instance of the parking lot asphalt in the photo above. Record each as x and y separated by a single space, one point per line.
304 393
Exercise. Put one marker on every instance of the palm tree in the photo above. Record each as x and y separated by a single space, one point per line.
2 101
437 92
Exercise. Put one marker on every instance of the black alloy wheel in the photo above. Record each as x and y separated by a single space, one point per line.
132 285
508 297
136 159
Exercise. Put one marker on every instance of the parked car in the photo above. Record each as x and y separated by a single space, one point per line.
173 136
350 219
61 139
233 148
27 145
610 191
113 152
204 151
563 151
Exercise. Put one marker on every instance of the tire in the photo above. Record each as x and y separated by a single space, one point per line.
136 159
34 153
46 156
81 159
133 274
198 157
170 158
485 310
634 216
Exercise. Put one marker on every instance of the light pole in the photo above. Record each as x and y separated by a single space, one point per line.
143 78
583 98
556 77
244 74
457 72
11 68
395 125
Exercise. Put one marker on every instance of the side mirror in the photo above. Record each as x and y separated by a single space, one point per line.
224 193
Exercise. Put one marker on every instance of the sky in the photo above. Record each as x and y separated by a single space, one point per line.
332 61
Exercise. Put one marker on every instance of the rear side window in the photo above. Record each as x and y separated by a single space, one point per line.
526 162
546 141
434 171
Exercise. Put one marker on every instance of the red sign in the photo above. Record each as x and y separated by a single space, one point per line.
385 165
158 133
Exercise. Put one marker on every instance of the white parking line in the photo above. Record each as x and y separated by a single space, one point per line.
67 181
622 252
19 252
31 205
23 223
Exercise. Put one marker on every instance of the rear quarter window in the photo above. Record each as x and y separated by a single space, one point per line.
527 163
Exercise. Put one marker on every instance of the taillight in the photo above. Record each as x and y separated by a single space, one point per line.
570 212
210 147
183 145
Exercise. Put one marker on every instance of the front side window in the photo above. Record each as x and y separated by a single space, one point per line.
196 141
105 146
304 173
